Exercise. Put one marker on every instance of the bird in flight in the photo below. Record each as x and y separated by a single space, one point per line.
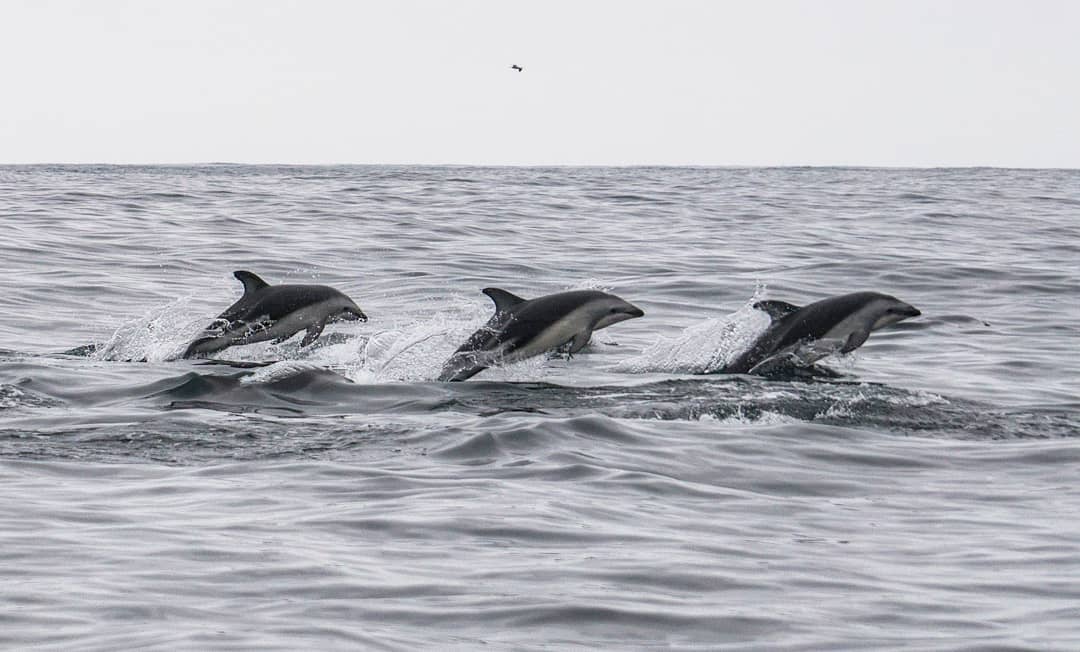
517 67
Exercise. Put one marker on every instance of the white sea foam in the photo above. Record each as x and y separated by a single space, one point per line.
279 371
160 334
739 418
705 347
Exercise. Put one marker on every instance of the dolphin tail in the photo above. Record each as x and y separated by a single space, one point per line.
453 373
452 376
200 346
461 367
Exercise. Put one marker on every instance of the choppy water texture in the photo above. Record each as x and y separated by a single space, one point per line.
925 498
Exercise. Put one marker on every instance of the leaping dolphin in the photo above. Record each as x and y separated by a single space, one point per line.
523 328
274 312
810 333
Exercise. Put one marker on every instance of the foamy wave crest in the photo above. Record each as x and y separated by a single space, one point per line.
739 418
279 371
12 397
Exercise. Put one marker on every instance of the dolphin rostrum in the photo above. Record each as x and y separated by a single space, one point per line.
810 333
274 312
523 328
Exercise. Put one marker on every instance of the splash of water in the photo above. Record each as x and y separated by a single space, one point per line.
157 336
412 350
705 347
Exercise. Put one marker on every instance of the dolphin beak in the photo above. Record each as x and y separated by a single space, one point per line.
911 311
357 315
634 311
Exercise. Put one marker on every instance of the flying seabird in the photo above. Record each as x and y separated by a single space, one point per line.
517 67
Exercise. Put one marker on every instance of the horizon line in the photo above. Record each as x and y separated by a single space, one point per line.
555 165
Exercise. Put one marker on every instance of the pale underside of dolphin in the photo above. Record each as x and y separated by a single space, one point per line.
274 312
801 336
523 328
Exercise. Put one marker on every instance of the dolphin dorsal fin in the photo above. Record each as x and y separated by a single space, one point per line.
250 280
777 310
504 300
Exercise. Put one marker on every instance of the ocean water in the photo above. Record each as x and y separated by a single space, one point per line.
926 497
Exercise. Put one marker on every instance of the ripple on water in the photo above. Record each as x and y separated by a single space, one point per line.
921 496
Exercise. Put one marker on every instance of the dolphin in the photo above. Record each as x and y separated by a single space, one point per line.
812 332
274 312
523 328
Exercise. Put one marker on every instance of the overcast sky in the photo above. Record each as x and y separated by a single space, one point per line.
754 82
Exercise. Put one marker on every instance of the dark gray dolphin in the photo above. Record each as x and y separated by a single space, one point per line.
523 328
820 329
274 312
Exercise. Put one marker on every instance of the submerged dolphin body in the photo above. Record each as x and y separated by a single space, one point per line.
810 333
523 328
274 312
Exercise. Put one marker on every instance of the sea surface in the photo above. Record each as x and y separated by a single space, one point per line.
924 496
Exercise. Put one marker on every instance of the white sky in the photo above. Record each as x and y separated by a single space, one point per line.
866 82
